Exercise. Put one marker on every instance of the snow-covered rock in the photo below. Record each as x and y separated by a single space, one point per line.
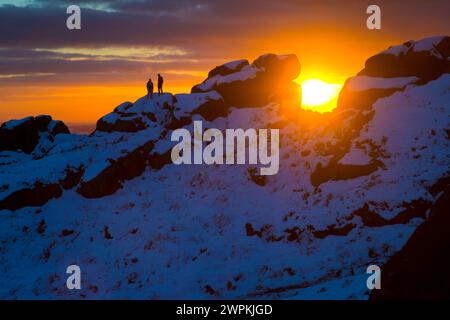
353 186
26 134
269 78
426 59
414 62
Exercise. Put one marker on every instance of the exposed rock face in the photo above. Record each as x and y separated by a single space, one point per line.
110 179
268 78
209 105
426 59
353 185
170 111
420 270
414 62
35 196
25 134
228 68
336 171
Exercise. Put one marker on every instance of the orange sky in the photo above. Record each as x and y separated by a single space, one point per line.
72 102
81 78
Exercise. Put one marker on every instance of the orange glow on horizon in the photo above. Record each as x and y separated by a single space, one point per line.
319 96
71 103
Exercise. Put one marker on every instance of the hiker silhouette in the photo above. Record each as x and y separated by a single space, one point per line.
149 89
160 84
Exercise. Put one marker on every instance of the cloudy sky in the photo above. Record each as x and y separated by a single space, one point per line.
77 76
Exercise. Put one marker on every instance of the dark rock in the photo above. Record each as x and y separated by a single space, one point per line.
362 99
158 161
41 227
72 178
110 179
35 196
23 135
369 217
414 209
121 125
336 171
106 234
333 230
228 68
427 65
420 270
399 62
256 178
212 109
122 108
269 78
59 127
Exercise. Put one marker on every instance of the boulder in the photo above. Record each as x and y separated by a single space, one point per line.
138 116
209 105
420 270
414 62
25 134
361 92
34 196
228 68
114 123
110 179
426 59
269 78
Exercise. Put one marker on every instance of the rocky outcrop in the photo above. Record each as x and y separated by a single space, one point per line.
336 171
381 170
169 111
269 78
426 59
228 68
420 270
410 210
34 196
209 105
112 123
25 134
110 179
122 119
414 62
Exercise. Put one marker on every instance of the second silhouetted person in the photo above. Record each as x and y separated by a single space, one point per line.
160 84
149 89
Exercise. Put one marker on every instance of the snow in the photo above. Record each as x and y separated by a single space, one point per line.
427 44
247 72
424 45
356 157
51 125
362 83
181 228
111 118
14 123
122 108
396 50
232 65
186 103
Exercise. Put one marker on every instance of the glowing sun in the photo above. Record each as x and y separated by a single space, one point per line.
319 96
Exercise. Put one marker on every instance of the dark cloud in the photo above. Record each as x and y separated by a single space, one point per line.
206 30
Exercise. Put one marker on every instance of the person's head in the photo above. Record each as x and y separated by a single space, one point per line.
159 75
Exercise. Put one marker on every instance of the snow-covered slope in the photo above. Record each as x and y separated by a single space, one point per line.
353 186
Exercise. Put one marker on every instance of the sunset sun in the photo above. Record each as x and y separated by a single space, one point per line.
319 96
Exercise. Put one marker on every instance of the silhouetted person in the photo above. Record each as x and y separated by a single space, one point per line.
160 84
149 89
